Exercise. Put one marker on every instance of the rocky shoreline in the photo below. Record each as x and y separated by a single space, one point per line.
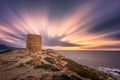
45 65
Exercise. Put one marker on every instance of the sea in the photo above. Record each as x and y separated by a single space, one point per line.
106 61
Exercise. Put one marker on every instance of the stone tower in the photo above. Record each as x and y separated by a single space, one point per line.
34 42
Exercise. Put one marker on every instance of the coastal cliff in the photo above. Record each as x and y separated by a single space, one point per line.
44 65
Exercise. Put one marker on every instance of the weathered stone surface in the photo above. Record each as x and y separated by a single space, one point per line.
34 42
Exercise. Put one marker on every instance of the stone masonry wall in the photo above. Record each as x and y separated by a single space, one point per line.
33 42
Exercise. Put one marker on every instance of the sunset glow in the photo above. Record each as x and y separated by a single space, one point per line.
70 30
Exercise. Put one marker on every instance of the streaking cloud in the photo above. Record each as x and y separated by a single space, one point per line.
63 24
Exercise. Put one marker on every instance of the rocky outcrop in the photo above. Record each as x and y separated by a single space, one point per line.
24 65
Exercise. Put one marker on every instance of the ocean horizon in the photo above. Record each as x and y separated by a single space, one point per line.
106 61
93 59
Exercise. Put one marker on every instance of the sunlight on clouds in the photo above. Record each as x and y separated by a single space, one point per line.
72 28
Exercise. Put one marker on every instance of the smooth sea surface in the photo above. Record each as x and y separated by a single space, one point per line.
94 59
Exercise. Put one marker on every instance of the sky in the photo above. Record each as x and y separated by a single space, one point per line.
63 24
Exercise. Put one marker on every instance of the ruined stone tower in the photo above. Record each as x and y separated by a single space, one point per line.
33 42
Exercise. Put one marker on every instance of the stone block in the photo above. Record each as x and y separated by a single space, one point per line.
34 42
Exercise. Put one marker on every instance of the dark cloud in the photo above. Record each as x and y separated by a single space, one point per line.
114 36
112 46
109 25
106 16
61 43
56 8
56 41
117 46
61 8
